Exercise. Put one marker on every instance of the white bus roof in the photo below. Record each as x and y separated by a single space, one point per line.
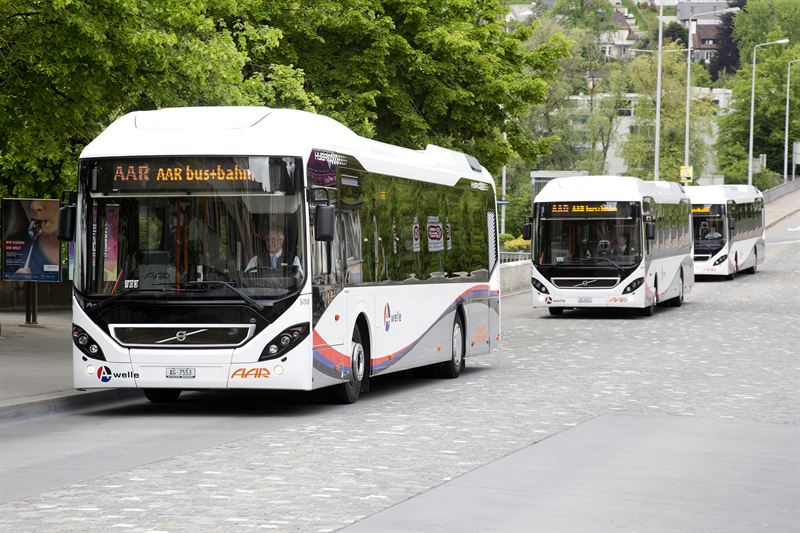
245 131
720 194
609 189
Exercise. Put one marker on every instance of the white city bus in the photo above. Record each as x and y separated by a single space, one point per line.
728 229
610 241
256 248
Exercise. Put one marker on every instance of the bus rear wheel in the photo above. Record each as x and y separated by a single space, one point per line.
732 275
678 300
452 368
755 262
349 391
162 395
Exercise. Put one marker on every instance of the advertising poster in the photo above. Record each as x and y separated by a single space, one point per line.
31 249
111 241
435 235
415 235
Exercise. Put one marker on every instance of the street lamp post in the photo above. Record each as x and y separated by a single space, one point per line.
658 90
689 76
786 130
753 106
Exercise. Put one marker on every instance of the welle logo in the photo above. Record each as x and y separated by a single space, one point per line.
388 317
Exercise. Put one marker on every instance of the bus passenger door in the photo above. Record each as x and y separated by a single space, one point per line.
329 306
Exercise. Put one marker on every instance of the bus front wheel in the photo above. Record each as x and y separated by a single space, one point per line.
349 391
162 395
651 309
452 368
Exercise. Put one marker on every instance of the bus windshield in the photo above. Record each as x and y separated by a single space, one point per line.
192 227
708 224
588 233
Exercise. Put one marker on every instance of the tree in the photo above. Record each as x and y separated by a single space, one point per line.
761 21
413 72
639 149
674 33
768 119
594 15
69 68
727 57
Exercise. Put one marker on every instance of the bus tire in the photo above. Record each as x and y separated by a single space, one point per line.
162 395
678 300
755 261
556 311
651 309
732 275
452 368
349 391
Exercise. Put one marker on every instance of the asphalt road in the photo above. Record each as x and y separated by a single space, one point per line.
293 462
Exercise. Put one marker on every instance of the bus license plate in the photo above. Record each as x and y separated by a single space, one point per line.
180 372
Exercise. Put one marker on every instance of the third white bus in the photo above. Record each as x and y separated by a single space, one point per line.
728 229
610 241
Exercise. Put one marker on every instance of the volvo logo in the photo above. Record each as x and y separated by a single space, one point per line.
181 336
585 283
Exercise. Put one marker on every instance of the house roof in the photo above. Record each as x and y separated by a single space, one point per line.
705 32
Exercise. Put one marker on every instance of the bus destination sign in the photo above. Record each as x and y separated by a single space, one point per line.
183 174
584 209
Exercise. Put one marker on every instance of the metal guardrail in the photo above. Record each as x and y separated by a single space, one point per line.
781 190
509 257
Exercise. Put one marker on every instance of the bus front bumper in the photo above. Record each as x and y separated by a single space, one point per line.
590 298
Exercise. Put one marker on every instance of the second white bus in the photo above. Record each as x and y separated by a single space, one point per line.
728 229
610 241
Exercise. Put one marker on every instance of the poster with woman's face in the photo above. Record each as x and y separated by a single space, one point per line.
31 249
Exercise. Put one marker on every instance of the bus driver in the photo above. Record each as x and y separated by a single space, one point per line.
274 258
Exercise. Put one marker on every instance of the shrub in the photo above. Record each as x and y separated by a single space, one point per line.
518 245
504 237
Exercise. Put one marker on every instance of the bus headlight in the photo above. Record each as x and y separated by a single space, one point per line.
86 344
285 341
633 285
721 260
539 286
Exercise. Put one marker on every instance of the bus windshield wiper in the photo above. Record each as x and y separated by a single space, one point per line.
609 260
227 285
113 298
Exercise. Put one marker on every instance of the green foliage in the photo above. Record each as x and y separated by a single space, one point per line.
70 68
762 21
518 245
408 72
768 118
503 237
594 15
639 148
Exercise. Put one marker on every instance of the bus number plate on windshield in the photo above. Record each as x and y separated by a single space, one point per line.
180 372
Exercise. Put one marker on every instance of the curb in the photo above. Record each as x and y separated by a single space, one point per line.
785 215
62 403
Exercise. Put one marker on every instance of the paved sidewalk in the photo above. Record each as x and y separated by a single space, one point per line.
36 364
621 473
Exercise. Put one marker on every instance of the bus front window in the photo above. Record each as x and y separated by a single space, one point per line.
589 233
193 227
708 224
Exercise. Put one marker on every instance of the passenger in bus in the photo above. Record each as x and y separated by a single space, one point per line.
713 233
275 257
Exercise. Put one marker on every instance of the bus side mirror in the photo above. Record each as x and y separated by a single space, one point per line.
66 223
527 230
650 230
324 221
731 223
